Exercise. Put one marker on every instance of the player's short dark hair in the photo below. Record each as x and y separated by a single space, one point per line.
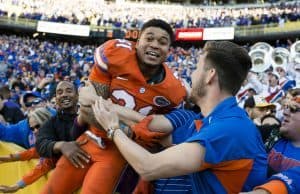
159 24
231 62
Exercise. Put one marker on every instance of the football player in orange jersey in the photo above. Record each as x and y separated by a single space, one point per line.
133 75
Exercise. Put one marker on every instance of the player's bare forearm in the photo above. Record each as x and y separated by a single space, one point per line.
101 89
126 114
87 97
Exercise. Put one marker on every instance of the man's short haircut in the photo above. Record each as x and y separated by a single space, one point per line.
159 24
231 62
71 83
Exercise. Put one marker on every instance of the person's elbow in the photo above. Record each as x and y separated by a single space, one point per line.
147 177
146 168
146 174
151 169
157 171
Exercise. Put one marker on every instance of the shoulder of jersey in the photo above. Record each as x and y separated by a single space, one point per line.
113 52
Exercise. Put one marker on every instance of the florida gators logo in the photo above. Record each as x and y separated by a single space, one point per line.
161 101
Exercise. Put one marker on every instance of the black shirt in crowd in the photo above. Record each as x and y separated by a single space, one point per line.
58 128
12 114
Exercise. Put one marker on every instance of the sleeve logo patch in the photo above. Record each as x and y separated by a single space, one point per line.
161 101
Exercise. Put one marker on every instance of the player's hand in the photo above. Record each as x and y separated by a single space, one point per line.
145 137
87 94
77 156
106 118
109 105
9 189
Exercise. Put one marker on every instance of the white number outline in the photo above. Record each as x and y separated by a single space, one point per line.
129 101
124 44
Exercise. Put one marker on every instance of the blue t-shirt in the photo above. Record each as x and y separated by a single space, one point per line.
235 158
284 159
291 179
284 155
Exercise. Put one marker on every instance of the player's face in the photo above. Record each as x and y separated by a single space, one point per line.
153 46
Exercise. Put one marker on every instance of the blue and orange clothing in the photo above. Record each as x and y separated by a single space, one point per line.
116 65
283 156
286 182
284 162
235 159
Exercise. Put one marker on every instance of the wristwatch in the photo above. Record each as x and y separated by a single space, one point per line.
110 133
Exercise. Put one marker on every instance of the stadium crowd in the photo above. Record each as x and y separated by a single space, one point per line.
26 61
109 14
32 74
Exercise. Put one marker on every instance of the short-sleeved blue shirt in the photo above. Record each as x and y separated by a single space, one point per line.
235 158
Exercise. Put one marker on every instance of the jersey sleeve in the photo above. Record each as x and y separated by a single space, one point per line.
28 154
108 58
42 168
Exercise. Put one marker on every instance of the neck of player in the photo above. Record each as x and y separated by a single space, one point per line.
150 71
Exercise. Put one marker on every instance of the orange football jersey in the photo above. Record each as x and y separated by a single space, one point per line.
116 65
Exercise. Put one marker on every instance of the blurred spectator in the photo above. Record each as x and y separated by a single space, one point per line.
30 100
10 111
263 115
23 133
284 157
257 107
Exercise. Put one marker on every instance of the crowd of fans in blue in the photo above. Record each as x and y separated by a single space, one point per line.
116 15
30 70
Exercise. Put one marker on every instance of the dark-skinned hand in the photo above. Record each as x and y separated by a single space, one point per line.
77 156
